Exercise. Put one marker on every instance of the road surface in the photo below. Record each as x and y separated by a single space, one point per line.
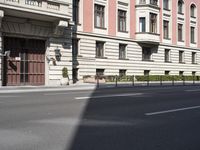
154 118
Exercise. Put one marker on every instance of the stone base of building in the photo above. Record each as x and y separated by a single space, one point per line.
134 62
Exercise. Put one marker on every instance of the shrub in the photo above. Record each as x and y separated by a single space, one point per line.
166 78
65 72
146 78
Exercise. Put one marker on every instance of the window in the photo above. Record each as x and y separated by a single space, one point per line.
122 51
142 24
99 49
181 73
192 34
146 54
153 23
193 57
181 56
180 6
122 72
76 11
121 20
192 10
166 29
167 55
194 73
99 16
167 73
100 72
142 1
180 32
154 2
166 4
75 47
146 72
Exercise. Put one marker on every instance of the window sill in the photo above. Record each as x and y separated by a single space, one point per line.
123 59
168 62
102 28
147 60
148 33
167 38
123 31
181 41
195 63
101 57
193 17
193 43
148 5
181 62
166 9
180 13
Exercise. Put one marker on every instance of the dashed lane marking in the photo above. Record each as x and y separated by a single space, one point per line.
109 96
172 110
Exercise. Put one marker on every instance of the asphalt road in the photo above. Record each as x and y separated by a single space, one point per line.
154 118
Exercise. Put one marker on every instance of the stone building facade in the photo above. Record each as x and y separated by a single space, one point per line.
136 37
35 41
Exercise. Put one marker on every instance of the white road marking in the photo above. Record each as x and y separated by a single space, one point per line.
172 110
194 90
8 96
108 96
51 94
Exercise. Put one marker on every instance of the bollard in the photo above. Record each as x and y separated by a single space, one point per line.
133 82
148 80
116 78
173 80
183 80
97 81
160 80
193 79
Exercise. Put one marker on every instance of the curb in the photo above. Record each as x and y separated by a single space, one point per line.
7 91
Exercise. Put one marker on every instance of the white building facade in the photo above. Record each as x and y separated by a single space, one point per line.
136 37
35 41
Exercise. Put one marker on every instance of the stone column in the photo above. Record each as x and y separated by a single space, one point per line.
1 46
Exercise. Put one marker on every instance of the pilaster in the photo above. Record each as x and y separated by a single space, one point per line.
1 47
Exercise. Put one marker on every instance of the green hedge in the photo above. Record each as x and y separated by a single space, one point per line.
146 78
119 78
166 78
112 78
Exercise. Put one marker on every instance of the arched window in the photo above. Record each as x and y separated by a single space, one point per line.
192 10
180 6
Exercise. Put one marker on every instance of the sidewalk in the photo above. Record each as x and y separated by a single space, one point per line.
27 89
90 86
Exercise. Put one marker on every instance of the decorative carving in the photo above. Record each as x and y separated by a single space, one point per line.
26 29
37 3
53 6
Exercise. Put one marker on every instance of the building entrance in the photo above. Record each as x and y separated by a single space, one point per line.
26 63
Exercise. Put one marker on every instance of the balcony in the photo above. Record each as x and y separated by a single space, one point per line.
151 2
50 8
148 38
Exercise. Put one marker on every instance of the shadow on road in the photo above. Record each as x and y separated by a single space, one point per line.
119 123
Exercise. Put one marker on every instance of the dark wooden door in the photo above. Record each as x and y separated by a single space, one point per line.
26 64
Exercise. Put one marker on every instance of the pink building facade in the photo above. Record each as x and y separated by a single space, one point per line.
136 37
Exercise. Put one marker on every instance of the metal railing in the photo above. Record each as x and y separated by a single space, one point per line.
131 81
37 3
